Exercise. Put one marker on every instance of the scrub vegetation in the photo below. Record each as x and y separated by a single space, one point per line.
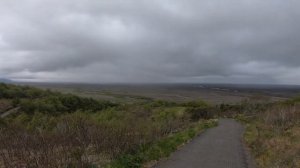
272 131
51 129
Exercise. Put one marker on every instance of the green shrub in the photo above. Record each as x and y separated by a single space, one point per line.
196 104
162 148
197 113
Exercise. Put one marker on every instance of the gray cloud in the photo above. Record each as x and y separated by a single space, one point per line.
239 41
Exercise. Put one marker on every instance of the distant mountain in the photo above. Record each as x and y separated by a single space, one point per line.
4 80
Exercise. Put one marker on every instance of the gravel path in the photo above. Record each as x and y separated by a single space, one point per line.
219 147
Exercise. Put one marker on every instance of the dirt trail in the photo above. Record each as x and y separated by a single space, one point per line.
219 147
11 111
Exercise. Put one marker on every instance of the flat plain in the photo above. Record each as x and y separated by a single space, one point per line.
212 93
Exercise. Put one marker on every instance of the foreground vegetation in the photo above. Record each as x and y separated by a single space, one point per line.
272 132
274 136
147 155
50 129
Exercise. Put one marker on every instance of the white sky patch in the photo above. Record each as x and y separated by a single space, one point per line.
94 73
3 44
11 60
258 68
116 30
292 76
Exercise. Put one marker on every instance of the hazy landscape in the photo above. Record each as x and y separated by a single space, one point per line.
212 93
45 128
149 84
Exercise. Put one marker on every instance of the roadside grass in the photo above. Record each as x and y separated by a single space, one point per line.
273 135
5 104
272 149
168 113
134 134
149 154
54 129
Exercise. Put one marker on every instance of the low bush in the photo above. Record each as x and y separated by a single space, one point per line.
63 130
162 148
273 134
5 105
197 113
74 140
282 117
58 104
10 91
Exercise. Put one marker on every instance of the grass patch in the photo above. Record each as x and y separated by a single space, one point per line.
273 145
272 132
162 148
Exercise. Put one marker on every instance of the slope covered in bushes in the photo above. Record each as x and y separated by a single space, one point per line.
272 131
31 100
53 129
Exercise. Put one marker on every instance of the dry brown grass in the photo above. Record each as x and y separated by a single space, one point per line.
274 136
5 105
77 142
281 117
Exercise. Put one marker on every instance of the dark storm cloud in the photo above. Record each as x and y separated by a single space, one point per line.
150 41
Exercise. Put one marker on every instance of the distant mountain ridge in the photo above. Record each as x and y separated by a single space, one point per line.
5 80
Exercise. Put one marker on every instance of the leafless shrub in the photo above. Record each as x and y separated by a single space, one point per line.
4 105
282 116
73 142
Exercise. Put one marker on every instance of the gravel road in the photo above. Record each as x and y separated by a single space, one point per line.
219 147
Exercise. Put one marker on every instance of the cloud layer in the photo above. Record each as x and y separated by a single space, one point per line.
233 41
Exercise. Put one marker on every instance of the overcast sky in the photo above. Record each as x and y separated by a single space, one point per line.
108 41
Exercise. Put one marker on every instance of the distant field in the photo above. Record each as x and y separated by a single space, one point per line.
212 93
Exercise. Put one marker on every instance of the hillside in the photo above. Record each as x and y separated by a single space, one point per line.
45 128
51 129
